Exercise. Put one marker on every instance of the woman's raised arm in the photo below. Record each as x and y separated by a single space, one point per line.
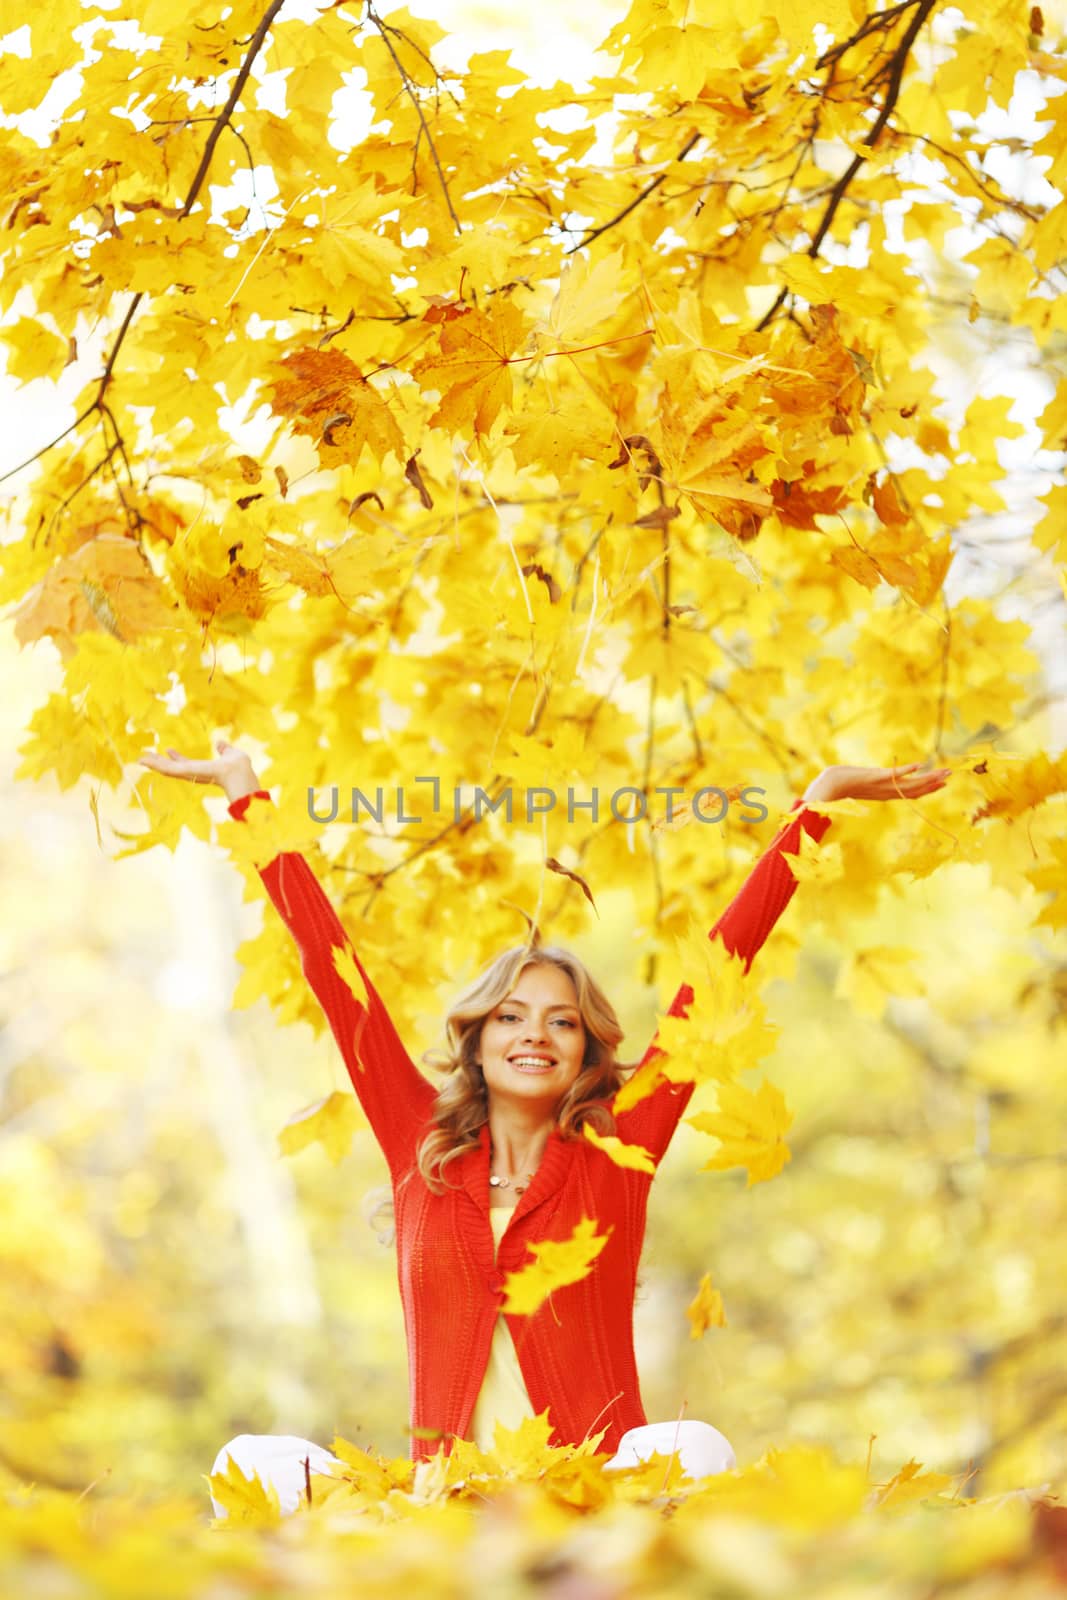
395 1096
752 913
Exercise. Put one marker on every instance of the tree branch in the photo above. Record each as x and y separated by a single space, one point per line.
649 188
875 23
255 46
409 87
871 137
953 155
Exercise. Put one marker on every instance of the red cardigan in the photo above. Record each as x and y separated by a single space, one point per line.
576 1351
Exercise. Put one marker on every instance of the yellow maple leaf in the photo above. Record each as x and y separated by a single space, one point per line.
267 831
910 1484
721 1042
706 1310
246 1501
374 1475
35 350
330 1122
870 976
801 1486
799 18
302 568
725 1030
471 370
750 1128
819 864
1052 878
848 288
556 1263
1015 787
622 1153
552 439
1051 532
589 292
551 761
524 1447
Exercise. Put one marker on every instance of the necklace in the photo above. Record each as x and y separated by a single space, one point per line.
510 1183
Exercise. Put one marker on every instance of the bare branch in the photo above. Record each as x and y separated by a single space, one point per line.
104 461
871 137
649 188
952 155
876 23
78 420
410 88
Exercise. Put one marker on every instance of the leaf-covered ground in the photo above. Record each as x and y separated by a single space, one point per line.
529 1519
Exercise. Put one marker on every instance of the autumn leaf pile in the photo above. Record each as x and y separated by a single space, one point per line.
527 1519
430 431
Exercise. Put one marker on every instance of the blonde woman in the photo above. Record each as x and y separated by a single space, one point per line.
494 1161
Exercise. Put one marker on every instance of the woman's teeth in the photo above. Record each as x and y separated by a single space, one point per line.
532 1064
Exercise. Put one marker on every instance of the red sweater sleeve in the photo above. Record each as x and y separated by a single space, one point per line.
395 1096
743 927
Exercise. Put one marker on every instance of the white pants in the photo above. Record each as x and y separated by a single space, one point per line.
278 1459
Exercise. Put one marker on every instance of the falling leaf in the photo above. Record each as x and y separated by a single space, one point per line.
556 1262
330 1122
620 1151
750 1128
870 976
638 1086
555 866
345 966
706 1310
817 864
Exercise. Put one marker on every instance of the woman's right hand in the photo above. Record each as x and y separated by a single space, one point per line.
231 769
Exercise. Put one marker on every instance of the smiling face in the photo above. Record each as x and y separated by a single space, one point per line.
533 1042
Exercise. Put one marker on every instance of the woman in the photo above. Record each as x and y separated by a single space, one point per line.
495 1162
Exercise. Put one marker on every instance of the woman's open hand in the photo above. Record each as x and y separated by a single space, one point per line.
231 769
877 783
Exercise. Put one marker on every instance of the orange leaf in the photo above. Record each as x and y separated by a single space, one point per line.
328 399
106 586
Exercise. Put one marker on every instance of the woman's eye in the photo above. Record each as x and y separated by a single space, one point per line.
509 1016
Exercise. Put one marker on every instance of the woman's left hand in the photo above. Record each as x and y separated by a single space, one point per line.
877 783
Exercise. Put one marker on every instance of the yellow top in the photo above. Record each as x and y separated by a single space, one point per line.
502 1397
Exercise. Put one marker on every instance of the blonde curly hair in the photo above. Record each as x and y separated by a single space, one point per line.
462 1106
